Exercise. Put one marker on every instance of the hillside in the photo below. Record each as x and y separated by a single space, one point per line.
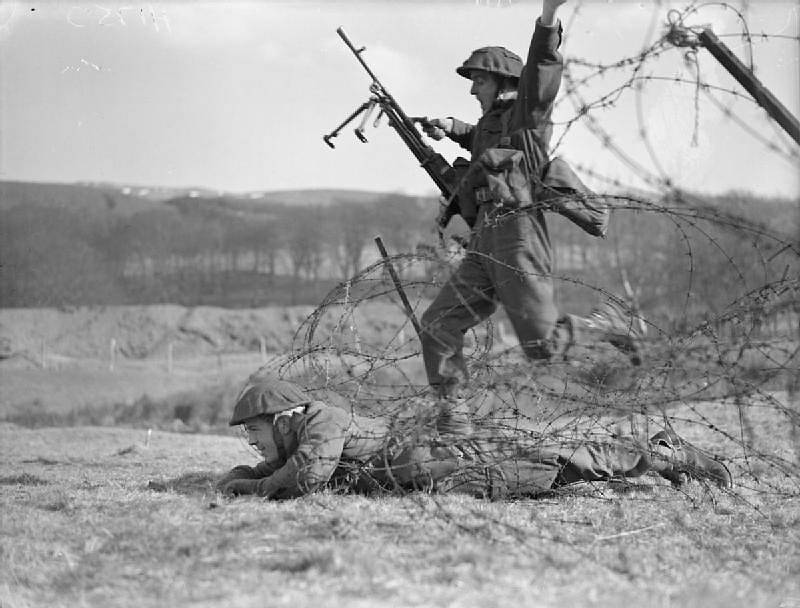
57 362
126 199
95 200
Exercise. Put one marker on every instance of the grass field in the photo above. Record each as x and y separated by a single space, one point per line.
96 511
116 517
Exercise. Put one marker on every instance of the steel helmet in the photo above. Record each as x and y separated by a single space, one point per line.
493 59
267 395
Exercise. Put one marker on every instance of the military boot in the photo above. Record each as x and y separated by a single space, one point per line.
675 459
619 325
454 419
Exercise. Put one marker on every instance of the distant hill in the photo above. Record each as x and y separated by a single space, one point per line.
316 197
73 197
122 199
322 197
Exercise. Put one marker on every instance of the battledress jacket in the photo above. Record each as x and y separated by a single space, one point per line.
328 445
523 122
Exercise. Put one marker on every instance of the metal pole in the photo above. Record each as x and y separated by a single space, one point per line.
747 79
398 286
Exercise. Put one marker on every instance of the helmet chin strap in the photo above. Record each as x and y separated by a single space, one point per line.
503 97
282 432
276 435
506 95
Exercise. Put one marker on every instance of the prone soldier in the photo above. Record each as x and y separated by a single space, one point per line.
308 445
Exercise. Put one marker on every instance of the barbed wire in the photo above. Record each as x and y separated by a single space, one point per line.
717 289
679 33
378 377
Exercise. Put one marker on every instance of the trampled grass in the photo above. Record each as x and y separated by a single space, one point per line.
82 525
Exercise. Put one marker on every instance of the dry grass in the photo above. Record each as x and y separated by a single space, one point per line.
102 516
82 525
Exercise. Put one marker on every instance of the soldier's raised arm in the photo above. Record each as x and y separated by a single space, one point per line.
541 78
549 9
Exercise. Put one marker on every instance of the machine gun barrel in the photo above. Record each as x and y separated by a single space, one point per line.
357 53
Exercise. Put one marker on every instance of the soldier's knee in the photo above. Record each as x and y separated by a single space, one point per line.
544 339
435 330
430 319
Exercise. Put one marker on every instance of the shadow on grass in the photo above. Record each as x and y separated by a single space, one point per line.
201 482
323 560
24 479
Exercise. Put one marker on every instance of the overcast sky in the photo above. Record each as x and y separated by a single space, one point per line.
236 96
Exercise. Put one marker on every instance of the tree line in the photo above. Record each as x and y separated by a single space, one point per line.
678 258
189 250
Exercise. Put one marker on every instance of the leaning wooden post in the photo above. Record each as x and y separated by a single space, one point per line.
398 286
762 95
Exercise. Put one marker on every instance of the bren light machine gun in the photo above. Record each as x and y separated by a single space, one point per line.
440 171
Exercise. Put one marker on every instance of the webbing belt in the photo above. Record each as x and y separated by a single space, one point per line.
483 195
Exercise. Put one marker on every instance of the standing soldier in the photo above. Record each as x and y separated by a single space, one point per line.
509 185
308 444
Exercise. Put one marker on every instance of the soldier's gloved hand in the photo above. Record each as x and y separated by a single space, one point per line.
443 216
437 128
240 487
220 485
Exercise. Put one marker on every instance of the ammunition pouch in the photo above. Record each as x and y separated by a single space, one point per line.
501 177
507 179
